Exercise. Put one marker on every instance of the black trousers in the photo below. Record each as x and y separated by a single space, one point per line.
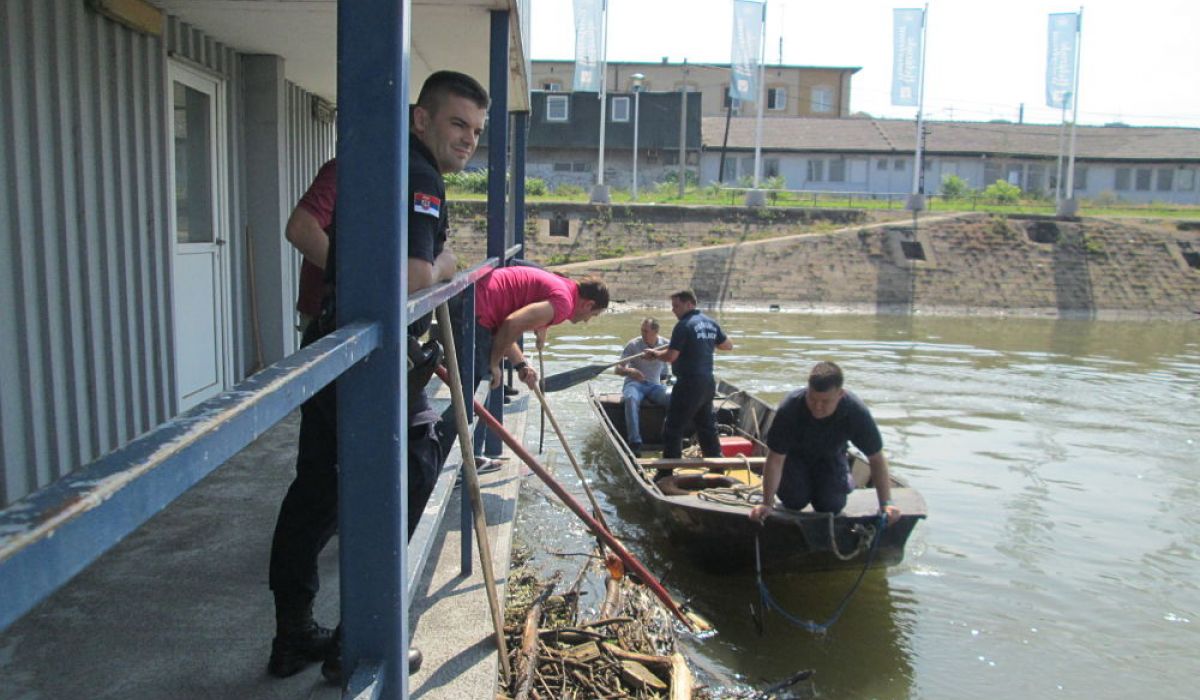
823 482
308 514
691 403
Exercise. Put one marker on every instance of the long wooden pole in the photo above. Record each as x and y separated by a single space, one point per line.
571 456
597 529
471 482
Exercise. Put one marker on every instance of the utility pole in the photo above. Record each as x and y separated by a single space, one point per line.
683 95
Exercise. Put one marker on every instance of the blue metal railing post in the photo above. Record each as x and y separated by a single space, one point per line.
520 131
497 169
372 278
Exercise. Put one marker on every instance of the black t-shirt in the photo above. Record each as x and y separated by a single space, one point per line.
807 440
695 336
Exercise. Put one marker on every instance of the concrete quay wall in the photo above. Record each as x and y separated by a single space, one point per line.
836 260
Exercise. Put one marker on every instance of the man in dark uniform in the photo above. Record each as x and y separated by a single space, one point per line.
690 353
445 127
807 460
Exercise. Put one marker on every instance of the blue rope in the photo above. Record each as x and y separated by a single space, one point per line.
770 603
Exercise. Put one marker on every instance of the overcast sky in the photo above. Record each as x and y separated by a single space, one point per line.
1140 59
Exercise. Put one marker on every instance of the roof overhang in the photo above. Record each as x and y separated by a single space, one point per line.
445 35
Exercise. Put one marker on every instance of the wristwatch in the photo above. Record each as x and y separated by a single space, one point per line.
520 366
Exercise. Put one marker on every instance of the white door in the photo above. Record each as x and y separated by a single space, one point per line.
200 259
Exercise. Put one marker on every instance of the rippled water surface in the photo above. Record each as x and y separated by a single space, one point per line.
1061 557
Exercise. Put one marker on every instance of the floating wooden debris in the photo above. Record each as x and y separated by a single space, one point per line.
628 651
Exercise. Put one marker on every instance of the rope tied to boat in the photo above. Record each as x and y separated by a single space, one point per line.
769 602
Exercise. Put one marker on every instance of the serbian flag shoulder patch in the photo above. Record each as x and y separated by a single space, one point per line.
427 204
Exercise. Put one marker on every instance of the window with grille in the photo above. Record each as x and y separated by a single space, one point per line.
557 108
1165 180
1123 178
816 171
837 170
1142 183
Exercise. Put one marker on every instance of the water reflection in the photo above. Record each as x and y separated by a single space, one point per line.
1058 458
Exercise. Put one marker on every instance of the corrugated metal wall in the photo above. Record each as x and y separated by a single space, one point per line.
84 334
86 349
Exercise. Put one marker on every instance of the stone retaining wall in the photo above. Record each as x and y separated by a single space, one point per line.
974 263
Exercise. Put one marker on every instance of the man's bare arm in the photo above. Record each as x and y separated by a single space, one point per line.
307 236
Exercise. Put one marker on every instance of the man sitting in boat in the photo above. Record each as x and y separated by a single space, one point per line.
643 381
807 459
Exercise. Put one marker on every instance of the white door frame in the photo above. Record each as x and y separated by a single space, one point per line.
215 87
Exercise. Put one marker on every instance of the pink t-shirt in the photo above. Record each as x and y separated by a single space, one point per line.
511 288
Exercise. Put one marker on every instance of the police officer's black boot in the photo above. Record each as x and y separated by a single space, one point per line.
299 640
331 670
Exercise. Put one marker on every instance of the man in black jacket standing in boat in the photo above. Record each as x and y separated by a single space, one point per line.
690 353
807 460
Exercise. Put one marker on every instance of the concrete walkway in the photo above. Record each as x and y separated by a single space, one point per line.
180 609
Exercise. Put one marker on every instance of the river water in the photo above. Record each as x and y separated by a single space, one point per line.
1058 458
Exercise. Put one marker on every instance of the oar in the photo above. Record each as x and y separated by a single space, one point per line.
568 379
597 529
471 482
542 381
571 456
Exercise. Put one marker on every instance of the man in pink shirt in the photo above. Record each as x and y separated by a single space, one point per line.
513 300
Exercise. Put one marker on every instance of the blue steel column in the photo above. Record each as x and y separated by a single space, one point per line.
372 149
497 162
520 132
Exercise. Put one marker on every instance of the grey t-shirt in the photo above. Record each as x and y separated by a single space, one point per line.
654 370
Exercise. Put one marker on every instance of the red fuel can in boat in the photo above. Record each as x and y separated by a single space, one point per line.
734 445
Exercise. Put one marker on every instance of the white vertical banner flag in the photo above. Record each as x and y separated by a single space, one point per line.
589 45
906 56
747 46
1060 59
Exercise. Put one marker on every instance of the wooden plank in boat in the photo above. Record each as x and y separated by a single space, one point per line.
703 462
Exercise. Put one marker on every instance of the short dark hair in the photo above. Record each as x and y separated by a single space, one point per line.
825 376
593 288
444 82
686 296
652 321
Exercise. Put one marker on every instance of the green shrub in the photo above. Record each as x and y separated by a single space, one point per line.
954 187
475 182
535 186
1002 192
566 190
672 178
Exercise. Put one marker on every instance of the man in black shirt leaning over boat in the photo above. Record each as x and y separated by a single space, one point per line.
690 353
807 460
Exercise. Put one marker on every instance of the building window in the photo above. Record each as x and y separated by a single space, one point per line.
898 164
770 167
1165 180
822 100
557 108
1034 177
1142 183
837 170
816 171
562 167
670 157
552 86
620 109
881 164
1186 182
777 98
991 173
581 167
1122 183
1080 178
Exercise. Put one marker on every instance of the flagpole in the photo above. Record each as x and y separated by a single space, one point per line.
600 193
916 202
1069 206
756 198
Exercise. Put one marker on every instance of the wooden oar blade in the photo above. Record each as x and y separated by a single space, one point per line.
572 377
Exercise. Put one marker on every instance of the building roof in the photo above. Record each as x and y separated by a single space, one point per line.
873 136
703 64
